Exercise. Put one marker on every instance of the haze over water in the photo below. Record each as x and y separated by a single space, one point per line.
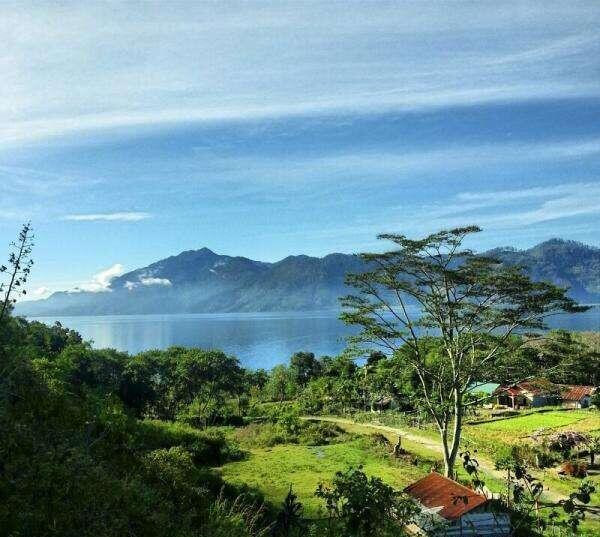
259 340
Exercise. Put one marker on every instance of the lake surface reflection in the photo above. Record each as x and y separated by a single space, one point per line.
257 339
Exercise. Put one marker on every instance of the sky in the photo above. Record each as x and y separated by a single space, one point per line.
131 131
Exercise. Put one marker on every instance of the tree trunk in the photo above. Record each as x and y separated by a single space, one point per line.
448 464
451 446
456 434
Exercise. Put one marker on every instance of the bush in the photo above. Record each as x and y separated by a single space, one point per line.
258 435
301 432
320 434
207 448
172 468
200 413
365 506
565 441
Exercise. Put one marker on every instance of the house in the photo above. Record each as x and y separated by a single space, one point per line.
577 396
529 393
451 509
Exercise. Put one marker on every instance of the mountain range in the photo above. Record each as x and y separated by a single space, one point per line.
201 281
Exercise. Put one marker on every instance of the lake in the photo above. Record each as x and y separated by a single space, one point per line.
257 339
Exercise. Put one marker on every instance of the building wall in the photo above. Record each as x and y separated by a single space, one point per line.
480 524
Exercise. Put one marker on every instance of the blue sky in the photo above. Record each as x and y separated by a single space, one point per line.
131 131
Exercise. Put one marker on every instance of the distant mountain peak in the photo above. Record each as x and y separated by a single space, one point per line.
565 242
202 281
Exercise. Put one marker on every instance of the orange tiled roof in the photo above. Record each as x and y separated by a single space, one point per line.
435 490
576 393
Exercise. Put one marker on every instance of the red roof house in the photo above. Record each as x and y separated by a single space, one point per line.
533 392
449 508
577 396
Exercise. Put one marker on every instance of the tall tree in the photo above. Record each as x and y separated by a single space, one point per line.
17 271
473 304
305 366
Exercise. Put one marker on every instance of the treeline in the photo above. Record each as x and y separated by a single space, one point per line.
341 385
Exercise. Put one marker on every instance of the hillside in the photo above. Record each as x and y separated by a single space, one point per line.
202 281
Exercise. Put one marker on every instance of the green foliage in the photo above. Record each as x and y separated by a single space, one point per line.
320 434
281 385
304 367
289 430
289 522
76 462
365 506
207 447
475 303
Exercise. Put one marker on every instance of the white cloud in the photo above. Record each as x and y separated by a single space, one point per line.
40 292
110 217
509 209
100 282
365 59
155 281
147 281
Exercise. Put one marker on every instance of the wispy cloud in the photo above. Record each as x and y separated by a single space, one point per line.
148 282
100 282
500 196
505 209
110 217
388 165
495 211
422 61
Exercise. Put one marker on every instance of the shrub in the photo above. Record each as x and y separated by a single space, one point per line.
207 448
565 441
200 413
263 435
320 434
172 468
365 506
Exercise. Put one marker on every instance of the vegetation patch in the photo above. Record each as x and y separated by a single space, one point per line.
273 470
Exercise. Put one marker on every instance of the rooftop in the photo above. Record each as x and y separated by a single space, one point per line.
576 393
453 499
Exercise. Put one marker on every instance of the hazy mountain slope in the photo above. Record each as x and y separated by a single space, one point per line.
203 281
565 263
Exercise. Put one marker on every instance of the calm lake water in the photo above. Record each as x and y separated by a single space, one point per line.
257 339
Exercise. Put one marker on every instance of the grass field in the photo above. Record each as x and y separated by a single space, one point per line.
493 436
272 470
522 426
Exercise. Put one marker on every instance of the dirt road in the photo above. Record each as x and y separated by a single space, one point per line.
486 465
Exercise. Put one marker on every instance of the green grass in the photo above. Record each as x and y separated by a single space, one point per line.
524 425
272 470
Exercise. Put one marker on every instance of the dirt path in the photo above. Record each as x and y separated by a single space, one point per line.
486 465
